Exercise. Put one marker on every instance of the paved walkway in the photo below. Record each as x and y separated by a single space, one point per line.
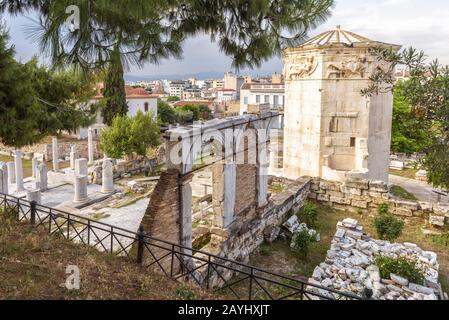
422 190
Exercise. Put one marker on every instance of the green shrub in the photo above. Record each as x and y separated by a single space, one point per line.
265 250
384 208
388 227
308 214
186 293
301 242
402 267
441 240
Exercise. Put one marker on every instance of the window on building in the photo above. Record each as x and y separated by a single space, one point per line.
276 101
146 107
245 100
257 99
352 142
267 99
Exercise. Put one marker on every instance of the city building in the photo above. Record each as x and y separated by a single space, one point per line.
260 93
176 88
233 82
226 95
138 99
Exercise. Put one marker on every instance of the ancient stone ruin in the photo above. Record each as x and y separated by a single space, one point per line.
350 267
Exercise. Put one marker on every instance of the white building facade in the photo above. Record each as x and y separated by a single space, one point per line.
262 93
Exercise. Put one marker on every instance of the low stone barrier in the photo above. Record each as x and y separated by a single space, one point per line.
123 168
368 195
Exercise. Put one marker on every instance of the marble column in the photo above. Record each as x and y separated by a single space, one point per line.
41 178
34 166
263 165
34 195
224 193
72 157
55 151
4 178
81 167
107 175
11 172
80 189
90 146
19 171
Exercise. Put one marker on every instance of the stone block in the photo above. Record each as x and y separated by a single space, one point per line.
426 206
323 197
313 195
403 212
359 204
351 191
331 186
357 184
438 221
407 205
340 200
378 186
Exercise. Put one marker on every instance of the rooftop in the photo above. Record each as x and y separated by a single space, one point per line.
340 37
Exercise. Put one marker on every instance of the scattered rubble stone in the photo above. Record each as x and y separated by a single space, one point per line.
350 267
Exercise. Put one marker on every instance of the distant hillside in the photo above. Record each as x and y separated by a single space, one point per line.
198 75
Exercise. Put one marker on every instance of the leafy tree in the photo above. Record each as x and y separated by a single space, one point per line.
195 110
114 90
409 133
62 95
173 99
427 92
250 31
18 106
166 113
130 135
184 116
36 102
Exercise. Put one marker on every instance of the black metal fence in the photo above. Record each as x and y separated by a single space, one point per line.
231 278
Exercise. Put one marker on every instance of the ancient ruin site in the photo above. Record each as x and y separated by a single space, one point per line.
325 181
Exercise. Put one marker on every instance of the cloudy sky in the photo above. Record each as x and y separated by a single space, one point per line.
418 23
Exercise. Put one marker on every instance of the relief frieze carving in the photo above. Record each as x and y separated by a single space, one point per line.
299 67
348 68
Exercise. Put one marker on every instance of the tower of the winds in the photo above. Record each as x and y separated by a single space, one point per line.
331 130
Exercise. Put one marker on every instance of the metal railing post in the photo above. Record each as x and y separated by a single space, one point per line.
33 212
208 273
251 284
140 244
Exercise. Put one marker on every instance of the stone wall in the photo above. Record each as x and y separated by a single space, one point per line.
246 193
162 218
368 195
239 241
46 150
122 168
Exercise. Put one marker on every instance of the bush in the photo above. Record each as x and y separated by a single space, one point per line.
308 214
402 267
302 241
384 208
388 227
130 135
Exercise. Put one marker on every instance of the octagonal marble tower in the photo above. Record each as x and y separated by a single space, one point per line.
331 130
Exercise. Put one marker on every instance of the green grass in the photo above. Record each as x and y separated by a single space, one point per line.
27 171
401 193
276 188
406 173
